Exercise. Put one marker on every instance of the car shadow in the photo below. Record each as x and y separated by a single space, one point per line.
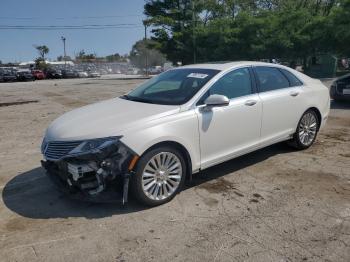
238 163
340 104
31 194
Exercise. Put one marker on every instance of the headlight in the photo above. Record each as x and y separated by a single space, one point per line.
94 144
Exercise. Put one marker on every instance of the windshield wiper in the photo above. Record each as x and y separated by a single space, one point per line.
126 97
137 99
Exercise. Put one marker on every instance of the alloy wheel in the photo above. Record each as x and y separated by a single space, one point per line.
307 129
161 176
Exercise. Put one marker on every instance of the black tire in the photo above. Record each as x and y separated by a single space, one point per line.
136 179
296 140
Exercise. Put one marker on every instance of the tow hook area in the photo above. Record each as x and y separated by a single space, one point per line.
93 178
92 187
80 174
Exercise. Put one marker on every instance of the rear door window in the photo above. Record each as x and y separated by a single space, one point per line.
293 80
270 78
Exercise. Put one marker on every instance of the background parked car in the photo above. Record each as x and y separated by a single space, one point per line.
38 74
8 75
25 75
94 74
340 89
155 70
103 72
67 73
82 74
76 73
53 74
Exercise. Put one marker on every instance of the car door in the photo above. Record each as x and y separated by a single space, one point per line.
343 86
233 129
281 94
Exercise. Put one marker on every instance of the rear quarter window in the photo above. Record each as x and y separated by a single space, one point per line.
293 80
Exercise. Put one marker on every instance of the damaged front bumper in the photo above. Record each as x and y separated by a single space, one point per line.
100 175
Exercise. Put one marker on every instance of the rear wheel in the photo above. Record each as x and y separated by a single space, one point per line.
307 129
160 175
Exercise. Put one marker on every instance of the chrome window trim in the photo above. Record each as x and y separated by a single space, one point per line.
278 68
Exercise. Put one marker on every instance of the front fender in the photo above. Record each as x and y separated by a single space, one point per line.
181 128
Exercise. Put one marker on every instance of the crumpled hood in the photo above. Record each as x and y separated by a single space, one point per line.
104 119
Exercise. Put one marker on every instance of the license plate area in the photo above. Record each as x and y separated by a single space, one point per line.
346 91
79 170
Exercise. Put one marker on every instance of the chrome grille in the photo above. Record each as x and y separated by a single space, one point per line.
57 149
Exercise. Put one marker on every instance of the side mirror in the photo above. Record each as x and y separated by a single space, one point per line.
216 100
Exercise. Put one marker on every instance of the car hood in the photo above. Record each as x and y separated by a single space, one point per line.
104 119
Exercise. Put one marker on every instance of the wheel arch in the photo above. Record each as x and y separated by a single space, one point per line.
177 146
318 114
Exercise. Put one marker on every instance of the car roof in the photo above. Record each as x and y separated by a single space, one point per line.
223 66
227 65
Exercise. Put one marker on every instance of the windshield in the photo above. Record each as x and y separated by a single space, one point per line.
174 87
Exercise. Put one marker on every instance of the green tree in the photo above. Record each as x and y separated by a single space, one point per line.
41 64
172 27
186 30
142 49
340 23
62 58
113 58
42 50
83 57
116 58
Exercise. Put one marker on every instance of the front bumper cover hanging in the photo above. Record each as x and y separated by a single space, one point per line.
101 175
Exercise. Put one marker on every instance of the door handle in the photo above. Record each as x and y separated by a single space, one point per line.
250 102
294 93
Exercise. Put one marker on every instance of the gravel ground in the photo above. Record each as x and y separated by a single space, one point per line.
275 204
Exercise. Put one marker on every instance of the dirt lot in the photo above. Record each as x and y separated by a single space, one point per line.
272 205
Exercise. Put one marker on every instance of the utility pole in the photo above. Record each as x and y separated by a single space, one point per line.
194 33
64 51
146 51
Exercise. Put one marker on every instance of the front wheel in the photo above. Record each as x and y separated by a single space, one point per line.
306 131
160 174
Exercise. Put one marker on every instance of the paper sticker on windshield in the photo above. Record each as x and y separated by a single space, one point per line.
197 75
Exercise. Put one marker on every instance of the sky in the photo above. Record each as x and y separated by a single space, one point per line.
18 45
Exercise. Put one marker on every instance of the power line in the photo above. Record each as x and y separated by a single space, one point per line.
72 17
83 28
68 27
55 26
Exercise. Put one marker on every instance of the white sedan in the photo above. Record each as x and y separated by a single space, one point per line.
178 123
82 74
